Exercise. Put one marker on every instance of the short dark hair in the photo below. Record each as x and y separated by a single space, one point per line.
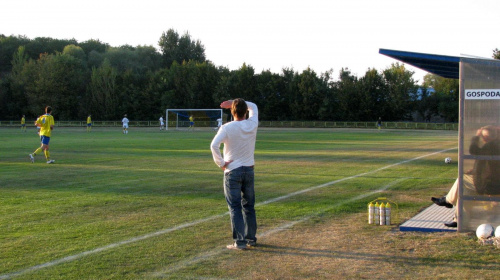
48 109
239 108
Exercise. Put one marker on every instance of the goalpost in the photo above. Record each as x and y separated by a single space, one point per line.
179 118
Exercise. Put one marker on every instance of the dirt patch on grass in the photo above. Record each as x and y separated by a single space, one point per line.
347 248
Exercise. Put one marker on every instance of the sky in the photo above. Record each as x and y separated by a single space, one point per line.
322 35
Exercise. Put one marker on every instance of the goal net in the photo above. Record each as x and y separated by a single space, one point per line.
179 118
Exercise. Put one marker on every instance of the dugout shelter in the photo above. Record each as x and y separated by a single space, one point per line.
479 80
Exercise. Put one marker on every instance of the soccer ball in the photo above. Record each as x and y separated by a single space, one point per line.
447 160
484 231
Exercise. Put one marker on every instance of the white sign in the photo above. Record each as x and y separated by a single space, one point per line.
482 94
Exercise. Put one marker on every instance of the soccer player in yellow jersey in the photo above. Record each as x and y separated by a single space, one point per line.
191 122
23 124
89 124
46 124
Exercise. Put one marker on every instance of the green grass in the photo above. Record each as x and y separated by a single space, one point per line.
106 188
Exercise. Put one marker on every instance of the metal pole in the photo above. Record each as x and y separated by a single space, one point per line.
461 147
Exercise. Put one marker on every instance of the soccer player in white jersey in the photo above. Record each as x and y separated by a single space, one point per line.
239 138
162 124
125 124
219 124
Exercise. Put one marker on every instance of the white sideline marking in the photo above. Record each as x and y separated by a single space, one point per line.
193 223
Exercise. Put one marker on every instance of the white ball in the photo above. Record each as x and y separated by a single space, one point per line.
497 231
484 231
447 160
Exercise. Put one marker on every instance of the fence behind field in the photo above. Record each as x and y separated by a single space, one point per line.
396 125
287 124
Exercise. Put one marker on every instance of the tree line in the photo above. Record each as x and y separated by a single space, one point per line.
92 77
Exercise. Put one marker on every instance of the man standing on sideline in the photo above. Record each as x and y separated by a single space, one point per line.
239 138
46 125
125 124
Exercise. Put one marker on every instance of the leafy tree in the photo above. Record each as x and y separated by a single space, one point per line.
8 46
288 84
190 85
426 106
372 100
58 80
5 97
496 54
93 45
346 86
18 60
208 78
139 60
400 88
103 99
92 77
307 101
41 45
128 88
185 83
190 49
179 49
221 92
75 51
446 96
243 83
148 57
328 94
95 59
17 101
271 91
169 47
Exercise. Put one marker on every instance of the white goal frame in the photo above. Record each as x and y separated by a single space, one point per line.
188 110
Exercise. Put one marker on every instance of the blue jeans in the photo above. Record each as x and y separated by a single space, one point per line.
240 198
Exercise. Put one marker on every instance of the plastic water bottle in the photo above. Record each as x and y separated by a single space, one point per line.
371 213
387 214
382 214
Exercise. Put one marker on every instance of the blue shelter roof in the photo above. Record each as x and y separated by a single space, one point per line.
441 65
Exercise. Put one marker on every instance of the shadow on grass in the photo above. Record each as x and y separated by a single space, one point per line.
469 263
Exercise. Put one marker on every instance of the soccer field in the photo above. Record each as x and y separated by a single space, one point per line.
150 204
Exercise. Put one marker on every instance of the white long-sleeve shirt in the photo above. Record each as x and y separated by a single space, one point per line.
239 141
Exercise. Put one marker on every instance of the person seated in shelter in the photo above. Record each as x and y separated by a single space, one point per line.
484 178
